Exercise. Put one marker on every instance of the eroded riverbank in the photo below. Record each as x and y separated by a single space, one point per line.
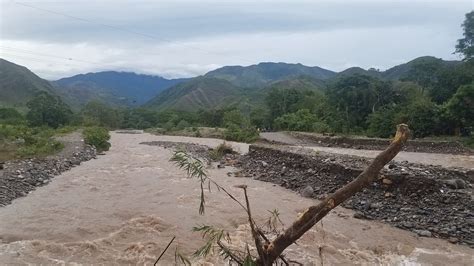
125 206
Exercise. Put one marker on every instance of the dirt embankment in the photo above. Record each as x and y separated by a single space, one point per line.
19 177
447 147
430 201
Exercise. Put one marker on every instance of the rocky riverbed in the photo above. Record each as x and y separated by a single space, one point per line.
20 177
446 147
430 201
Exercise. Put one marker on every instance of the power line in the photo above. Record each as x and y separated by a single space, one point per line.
36 59
118 28
17 50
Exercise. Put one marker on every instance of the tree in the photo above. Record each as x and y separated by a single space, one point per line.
357 96
461 106
11 116
96 113
282 101
450 79
45 109
382 122
238 127
465 45
424 72
423 114
302 120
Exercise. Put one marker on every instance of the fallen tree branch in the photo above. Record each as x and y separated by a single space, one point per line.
315 213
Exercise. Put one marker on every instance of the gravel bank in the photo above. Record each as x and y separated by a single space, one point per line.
19 177
430 201
446 147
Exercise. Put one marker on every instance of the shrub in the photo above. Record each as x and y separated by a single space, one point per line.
220 151
38 146
11 116
182 125
97 137
382 122
242 134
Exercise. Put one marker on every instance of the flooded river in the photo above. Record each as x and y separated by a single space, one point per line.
125 206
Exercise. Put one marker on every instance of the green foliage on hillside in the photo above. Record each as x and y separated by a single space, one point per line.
45 109
96 113
18 85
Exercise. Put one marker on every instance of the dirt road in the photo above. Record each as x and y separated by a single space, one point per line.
125 206
445 160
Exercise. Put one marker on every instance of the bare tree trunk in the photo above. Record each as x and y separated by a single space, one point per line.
315 213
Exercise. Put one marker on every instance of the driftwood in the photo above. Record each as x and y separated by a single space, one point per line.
271 251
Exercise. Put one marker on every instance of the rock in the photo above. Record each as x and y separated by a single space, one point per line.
359 215
392 166
307 192
387 181
424 233
456 183
220 166
264 164
453 240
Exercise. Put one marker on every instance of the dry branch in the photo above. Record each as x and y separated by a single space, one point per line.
315 213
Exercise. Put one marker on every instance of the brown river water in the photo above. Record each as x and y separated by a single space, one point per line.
125 206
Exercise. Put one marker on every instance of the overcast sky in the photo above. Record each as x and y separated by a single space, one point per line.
183 38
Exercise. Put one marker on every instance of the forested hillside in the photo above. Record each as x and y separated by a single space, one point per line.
18 85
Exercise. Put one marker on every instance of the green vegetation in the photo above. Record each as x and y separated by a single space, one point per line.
20 141
45 109
221 150
97 137
465 45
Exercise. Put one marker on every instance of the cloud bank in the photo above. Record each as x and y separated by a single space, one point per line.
188 38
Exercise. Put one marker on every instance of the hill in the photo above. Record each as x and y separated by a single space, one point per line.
265 73
114 88
18 85
401 71
237 84
198 93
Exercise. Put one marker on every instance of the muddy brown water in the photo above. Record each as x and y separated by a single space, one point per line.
125 206
445 160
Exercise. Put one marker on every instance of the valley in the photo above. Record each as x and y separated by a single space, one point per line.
249 133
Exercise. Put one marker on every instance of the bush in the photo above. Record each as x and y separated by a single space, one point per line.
302 120
97 137
182 125
241 134
11 116
382 123
220 151
29 142
422 116
40 146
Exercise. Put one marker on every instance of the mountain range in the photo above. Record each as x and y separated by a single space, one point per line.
114 88
229 85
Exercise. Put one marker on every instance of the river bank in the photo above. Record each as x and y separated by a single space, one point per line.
125 206
20 177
